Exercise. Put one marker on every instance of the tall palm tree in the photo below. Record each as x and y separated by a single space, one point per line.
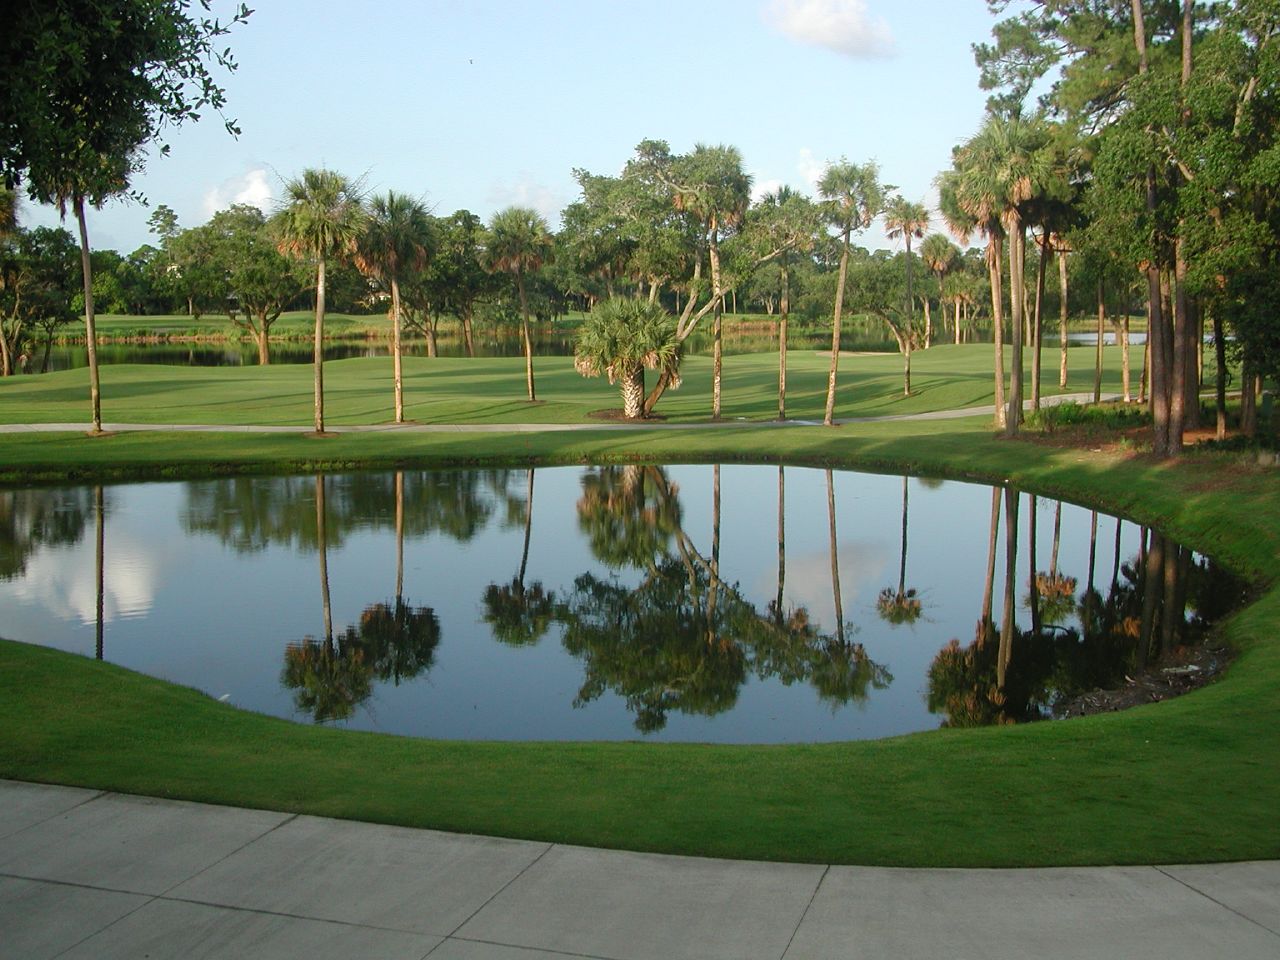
905 219
852 197
939 255
518 242
397 239
1003 168
320 219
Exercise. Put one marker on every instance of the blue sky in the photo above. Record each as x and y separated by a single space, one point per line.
485 103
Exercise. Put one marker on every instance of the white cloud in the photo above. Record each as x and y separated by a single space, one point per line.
527 192
759 188
862 566
252 187
844 26
64 579
810 167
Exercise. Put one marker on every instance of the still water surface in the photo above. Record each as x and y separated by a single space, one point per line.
692 603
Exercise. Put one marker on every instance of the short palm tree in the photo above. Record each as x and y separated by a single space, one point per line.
397 239
320 219
518 242
623 337
939 255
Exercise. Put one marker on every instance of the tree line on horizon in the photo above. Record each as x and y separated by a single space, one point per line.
1144 167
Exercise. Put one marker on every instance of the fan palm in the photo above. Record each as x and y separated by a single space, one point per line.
787 222
321 219
623 337
852 197
907 220
939 255
397 239
518 243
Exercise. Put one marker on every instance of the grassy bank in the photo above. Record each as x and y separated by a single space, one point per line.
1187 780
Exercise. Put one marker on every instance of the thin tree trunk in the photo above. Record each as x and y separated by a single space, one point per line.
1062 319
717 359
317 361
1007 625
99 511
524 332
397 373
1102 335
1033 586
1220 390
399 536
1017 248
1037 322
782 542
1125 376
835 562
785 310
829 417
902 555
992 539
90 324
994 252
528 529
467 337
322 541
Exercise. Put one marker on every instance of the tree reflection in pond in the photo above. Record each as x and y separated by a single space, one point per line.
683 639
1008 674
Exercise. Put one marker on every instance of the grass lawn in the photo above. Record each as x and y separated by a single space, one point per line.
491 390
1191 779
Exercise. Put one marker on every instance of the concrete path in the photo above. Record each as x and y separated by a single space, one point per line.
984 411
86 874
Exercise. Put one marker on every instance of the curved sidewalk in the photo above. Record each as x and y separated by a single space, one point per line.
87 874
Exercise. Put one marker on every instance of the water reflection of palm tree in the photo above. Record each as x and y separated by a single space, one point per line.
835 559
1007 625
901 605
520 615
99 512
1055 591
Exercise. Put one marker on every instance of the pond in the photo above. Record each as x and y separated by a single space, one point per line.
691 603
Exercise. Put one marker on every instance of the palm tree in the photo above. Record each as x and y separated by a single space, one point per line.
853 196
903 605
518 242
397 239
622 337
320 219
905 219
1002 169
939 255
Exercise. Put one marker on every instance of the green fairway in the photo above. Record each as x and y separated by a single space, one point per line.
491 390
1187 780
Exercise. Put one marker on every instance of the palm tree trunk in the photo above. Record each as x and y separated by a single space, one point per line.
90 325
397 375
524 331
1037 323
902 556
1017 248
835 561
399 536
1125 375
1102 335
99 511
785 308
318 351
322 541
1033 586
782 541
632 385
992 537
994 252
528 529
717 354
1062 319
1007 626
829 417
467 337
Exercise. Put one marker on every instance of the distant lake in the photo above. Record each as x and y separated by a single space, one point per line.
685 603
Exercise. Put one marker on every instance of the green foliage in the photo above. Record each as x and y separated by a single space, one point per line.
1093 418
